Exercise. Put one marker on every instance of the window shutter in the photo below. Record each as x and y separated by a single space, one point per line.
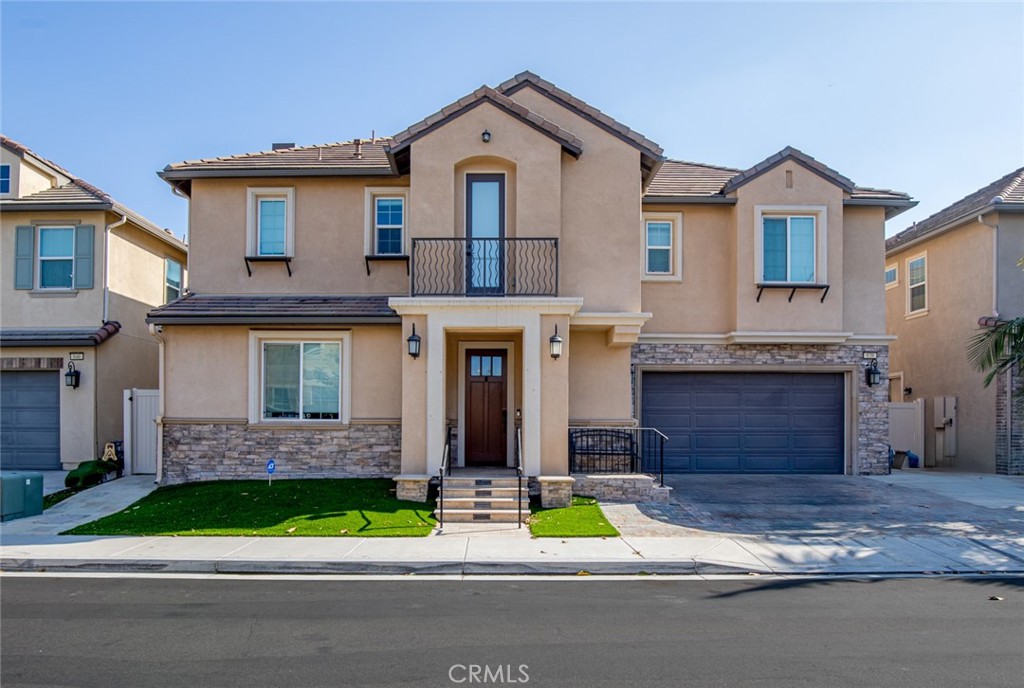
24 257
83 256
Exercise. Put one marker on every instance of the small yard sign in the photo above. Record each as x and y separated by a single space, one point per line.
271 467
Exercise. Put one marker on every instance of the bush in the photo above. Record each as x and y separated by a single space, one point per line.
89 473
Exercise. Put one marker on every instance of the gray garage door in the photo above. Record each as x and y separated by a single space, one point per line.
747 422
30 420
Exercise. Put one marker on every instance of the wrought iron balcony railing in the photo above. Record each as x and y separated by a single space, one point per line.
484 267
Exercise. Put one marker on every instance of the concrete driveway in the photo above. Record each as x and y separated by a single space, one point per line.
902 505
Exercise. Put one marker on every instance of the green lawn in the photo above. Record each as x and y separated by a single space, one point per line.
353 507
583 519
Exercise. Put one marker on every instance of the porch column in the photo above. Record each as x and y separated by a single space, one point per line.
435 412
414 399
532 401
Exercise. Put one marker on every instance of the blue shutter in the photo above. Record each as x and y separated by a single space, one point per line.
24 257
83 256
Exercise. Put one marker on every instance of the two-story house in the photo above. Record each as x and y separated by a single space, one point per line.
513 266
945 277
79 273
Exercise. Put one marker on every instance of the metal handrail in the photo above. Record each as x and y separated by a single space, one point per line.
519 471
459 266
617 450
445 469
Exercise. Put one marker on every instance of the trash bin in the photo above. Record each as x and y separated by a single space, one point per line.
913 461
21 494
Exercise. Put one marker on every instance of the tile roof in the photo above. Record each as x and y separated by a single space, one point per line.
284 309
527 78
1007 193
357 154
681 178
78 194
568 140
65 336
789 153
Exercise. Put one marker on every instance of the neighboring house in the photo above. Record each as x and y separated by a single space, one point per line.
733 310
79 273
947 276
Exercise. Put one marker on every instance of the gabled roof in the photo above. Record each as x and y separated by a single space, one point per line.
22 150
585 110
220 309
358 156
78 194
61 336
485 94
789 154
1005 194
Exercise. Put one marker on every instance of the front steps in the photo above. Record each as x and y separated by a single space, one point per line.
482 500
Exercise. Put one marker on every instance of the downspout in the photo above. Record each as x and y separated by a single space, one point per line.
106 266
157 331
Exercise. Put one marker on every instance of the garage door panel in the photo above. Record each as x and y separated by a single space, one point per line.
724 422
30 438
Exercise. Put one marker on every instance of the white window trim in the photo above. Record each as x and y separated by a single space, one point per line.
181 283
256 340
676 249
820 215
370 215
896 282
39 257
253 196
923 310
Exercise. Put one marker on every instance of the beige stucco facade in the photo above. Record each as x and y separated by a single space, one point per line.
128 258
971 273
603 306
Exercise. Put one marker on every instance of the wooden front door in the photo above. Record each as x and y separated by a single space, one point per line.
486 413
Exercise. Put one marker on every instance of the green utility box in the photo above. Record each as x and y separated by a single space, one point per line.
21 494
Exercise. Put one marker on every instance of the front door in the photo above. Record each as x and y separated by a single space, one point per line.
486 413
485 231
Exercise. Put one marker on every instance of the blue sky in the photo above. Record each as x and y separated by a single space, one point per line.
926 98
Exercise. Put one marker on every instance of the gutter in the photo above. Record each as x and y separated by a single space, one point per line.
106 265
952 224
167 175
688 200
271 320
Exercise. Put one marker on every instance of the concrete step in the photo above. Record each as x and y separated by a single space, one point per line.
486 503
482 515
464 483
481 492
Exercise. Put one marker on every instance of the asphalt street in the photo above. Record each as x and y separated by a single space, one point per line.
84 631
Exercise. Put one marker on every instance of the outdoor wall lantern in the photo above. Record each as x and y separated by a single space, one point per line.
414 343
556 344
872 375
72 378
908 391
485 136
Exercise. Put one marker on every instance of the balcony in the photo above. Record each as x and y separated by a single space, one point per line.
484 267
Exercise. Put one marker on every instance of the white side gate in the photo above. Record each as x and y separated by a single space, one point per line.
906 427
141 407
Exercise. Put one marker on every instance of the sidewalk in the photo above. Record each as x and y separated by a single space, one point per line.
493 549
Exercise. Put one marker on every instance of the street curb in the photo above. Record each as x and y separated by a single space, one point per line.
450 568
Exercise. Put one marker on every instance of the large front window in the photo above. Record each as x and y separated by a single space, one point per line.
56 257
789 249
302 380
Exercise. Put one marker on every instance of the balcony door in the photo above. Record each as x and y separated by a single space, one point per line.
485 231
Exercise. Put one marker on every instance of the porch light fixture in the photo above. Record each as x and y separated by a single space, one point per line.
908 391
414 343
72 377
485 136
872 375
556 344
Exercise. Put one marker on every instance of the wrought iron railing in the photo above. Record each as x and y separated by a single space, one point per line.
446 469
484 267
519 471
617 450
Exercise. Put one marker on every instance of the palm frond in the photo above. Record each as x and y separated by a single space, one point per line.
998 349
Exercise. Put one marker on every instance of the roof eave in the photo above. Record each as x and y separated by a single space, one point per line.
10 206
171 174
953 224
272 320
893 207
689 200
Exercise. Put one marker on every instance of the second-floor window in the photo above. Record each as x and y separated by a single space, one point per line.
56 257
917 279
659 247
172 280
891 276
5 179
271 223
789 248
389 224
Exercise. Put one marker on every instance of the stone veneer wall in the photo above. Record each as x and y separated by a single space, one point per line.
237 451
870 437
1010 424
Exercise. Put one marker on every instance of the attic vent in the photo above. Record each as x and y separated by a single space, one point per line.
281 146
359 148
